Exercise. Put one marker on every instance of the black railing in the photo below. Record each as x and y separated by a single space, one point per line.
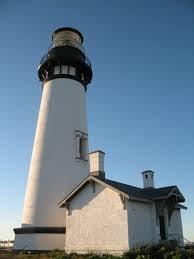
46 56
87 61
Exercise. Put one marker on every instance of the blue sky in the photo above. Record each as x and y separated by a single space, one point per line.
140 103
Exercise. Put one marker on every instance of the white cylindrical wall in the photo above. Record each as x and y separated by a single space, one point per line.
54 169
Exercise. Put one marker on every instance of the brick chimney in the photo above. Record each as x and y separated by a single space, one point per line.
148 179
96 159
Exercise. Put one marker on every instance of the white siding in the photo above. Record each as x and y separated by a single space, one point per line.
175 230
141 224
96 221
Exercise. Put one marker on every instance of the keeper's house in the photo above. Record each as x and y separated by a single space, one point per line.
105 215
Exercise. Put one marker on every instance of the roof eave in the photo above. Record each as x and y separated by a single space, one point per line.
140 199
61 204
180 206
180 195
111 187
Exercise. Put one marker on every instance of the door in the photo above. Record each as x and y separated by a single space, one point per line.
162 228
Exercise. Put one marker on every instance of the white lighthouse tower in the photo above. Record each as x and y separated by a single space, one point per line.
60 153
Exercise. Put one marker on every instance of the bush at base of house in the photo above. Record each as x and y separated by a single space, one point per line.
160 252
146 252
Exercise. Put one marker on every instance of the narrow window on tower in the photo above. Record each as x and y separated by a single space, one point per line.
81 145
81 148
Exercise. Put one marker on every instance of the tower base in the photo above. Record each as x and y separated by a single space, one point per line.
39 239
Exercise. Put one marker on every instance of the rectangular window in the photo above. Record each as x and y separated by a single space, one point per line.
72 71
82 148
64 69
56 70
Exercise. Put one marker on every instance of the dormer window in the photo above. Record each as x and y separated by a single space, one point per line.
81 145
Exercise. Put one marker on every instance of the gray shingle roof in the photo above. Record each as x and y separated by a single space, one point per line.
132 192
143 193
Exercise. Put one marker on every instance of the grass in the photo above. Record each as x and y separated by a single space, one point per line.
146 252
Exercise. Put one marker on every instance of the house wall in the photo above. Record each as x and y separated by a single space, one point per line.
175 230
97 221
141 224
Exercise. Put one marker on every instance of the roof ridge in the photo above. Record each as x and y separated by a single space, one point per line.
131 186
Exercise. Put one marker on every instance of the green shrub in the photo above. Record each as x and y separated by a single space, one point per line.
57 254
161 251
92 256
130 255
189 253
108 256
145 252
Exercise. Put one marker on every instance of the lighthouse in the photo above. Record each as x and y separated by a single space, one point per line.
60 156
